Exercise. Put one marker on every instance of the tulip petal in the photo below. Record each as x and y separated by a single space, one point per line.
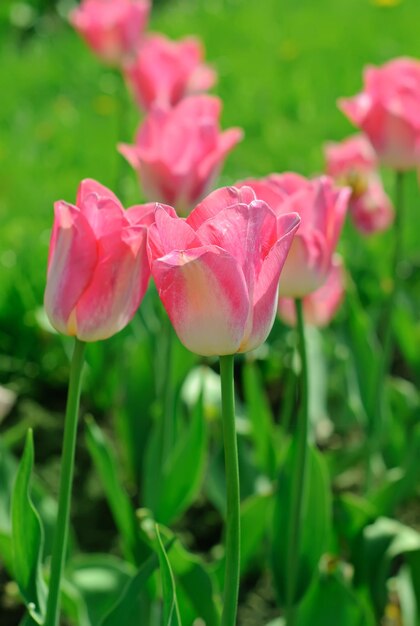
238 230
117 286
264 190
88 186
72 262
217 201
320 306
169 232
142 214
204 292
265 294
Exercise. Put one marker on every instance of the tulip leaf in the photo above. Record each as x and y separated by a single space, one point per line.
134 415
27 538
123 513
183 470
129 605
330 601
364 348
261 419
100 579
406 582
315 525
401 482
171 616
382 542
195 584
317 383
73 604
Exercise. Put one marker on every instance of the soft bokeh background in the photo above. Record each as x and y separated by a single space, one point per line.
282 65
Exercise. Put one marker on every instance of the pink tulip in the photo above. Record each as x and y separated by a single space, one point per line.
322 208
179 152
165 71
351 159
353 162
372 211
320 306
388 111
111 28
217 272
98 269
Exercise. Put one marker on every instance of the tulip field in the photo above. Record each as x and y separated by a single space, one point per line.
209 313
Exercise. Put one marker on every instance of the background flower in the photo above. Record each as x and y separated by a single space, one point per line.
179 152
388 111
320 306
111 28
322 208
353 162
164 71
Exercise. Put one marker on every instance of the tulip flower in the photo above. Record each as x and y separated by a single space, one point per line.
179 152
320 306
388 111
353 162
217 272
165 71
322 208
97 270
111 28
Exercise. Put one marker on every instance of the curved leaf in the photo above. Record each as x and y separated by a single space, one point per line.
171 616
27 538
315 522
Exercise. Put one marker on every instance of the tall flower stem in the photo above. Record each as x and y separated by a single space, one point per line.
299 473
122 120
66 480
233 530
378 409
168 419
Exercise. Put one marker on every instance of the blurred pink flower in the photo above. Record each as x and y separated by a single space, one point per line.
372 211
320 306
352 157
111 28
322 208
352 162
179 152
217 272
97 269
388 111
164 71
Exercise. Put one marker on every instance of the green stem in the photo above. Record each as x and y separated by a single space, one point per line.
66 480
168 422
299 474
122 124
233 530
399 209
378 409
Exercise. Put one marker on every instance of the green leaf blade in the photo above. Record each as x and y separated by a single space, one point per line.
27 538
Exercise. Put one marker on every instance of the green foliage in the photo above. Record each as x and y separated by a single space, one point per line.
330 601
131 602
119 502
315 523
27 538
171 616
